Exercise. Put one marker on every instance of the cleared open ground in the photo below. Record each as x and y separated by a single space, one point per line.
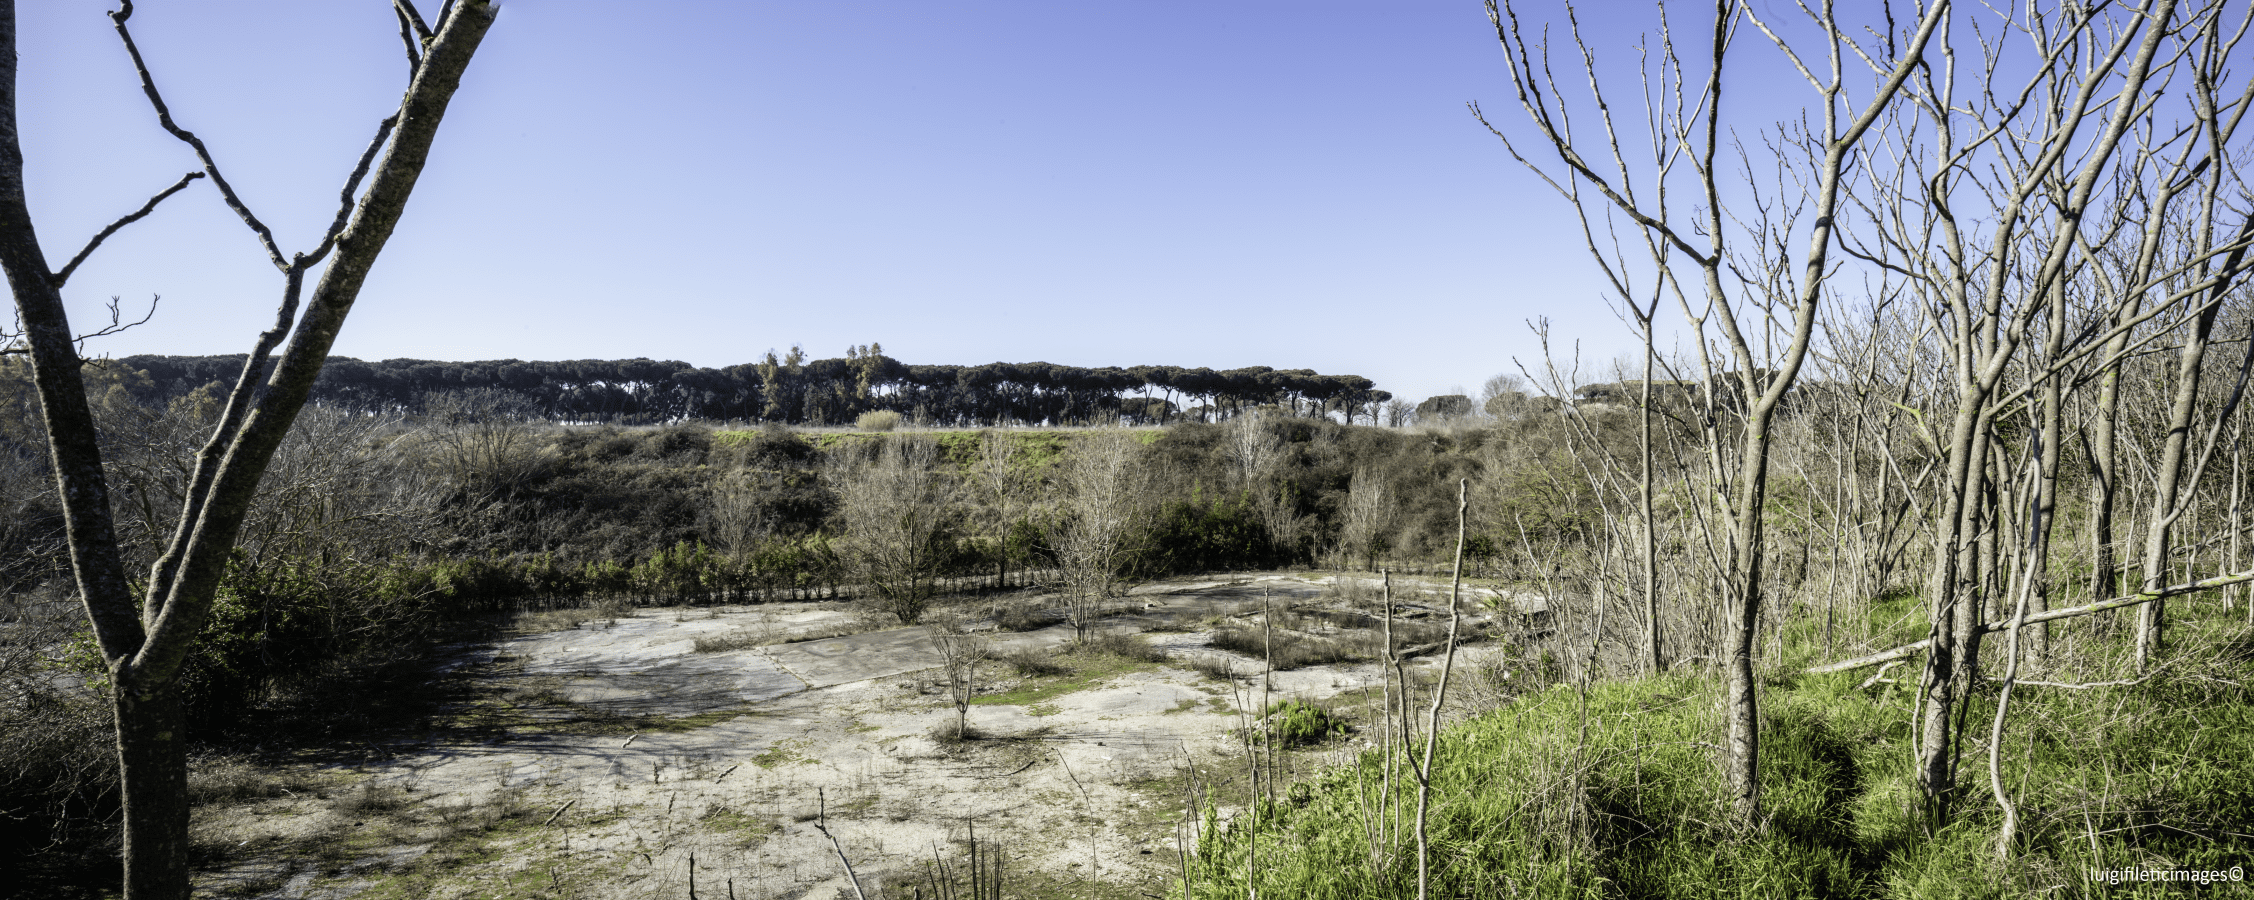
596 759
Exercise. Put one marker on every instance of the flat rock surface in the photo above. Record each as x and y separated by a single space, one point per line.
851 730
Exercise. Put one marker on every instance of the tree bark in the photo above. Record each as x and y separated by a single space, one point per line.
2151 618
145 647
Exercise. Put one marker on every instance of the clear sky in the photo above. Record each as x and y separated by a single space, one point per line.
1100 182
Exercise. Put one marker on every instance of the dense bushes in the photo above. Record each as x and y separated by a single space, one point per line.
449 520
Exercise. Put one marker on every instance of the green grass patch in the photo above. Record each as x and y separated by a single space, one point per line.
782 754
2158 775
1083 670
747 829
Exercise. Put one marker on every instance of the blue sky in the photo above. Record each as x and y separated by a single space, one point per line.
1218 183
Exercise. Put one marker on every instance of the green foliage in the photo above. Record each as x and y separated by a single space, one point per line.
1296 723
2150 776
1204 535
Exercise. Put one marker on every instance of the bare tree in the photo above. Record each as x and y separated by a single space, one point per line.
1503 396
899 519
1100 510
960 652
1365 520
485 439
1998 217
1731 273
1259 453
738 517
1398 413
999 477
144 644
1253 446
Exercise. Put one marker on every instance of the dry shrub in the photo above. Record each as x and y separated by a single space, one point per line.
1025 616
58 760
372 798
1031 663
612 608
1125 645
547 620
1353 593
877 420
739 639
1344 618
1220 667
945 735
229 778
1284 648
866 623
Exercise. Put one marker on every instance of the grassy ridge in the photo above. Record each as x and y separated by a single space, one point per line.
2155 775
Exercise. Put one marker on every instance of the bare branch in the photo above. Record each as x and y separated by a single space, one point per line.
407 15
164 118
1908 650
129 219
407 30
115 325
345 197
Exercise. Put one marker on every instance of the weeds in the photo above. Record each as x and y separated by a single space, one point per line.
1025 616
1121 644
2109 778
1285 648
1297 724
1102 656
1034 664
739 639
229 778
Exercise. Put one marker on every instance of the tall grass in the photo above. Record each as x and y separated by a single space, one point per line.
2153 775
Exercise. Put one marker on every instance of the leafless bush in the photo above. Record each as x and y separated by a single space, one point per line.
1121 644
1025 616
1220 667
739 519
898 516
56 752
1353 593
1029 663
234 778
739 639
960 654
486 440
1284 648
1368 516
371 798
1102 505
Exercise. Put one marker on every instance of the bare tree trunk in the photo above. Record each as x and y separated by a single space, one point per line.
1653 658
2105 468
2237 521
1787 304
2166 508
145 647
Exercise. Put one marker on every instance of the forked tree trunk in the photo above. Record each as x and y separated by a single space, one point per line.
146 640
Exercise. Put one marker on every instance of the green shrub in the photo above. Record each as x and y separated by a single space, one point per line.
1296 724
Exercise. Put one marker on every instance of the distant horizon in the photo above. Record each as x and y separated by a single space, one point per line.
1104 183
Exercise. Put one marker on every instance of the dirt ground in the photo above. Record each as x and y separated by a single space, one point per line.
610 758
